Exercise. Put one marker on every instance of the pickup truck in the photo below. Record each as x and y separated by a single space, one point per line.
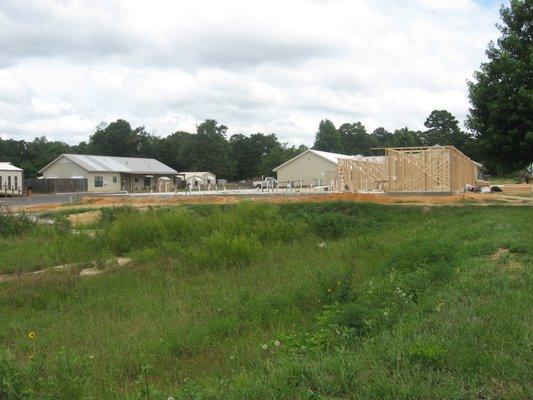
267 183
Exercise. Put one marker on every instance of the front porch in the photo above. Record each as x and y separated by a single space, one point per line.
141 183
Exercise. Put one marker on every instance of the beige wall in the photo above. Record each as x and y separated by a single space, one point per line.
64 168
109 185
4 175
308 168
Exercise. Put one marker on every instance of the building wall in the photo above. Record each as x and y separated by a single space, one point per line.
64 168
108 184
309 168
4 176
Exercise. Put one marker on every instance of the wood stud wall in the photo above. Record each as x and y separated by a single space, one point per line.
409 169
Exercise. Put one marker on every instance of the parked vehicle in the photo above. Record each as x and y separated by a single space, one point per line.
267 183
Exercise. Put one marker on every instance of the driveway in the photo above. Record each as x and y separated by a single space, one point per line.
39 199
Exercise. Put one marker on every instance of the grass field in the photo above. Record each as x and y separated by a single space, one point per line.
258 301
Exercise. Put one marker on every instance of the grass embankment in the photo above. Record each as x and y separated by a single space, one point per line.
331 300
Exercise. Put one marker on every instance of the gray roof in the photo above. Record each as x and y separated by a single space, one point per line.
129 165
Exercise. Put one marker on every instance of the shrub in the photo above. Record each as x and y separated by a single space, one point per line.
15 224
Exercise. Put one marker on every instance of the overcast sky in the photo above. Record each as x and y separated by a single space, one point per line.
256 66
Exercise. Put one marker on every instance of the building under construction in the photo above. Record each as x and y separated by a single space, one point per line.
409 169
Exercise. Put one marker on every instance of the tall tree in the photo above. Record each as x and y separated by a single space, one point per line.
405 137
502 93
355 139
248 153
383 137
278 156
210 150
443 129
115 139
327 137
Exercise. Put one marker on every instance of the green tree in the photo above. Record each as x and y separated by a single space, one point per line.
327 137
405 137
383 137
115 139
278 156
355 140
210 150
248 153
502 93
443 129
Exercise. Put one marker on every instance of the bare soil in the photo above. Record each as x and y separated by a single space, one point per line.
379 198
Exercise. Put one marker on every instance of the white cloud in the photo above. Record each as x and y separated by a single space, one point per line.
277 66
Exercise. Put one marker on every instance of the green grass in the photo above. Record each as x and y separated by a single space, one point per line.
329 300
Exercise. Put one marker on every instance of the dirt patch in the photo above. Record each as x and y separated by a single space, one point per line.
498 254
281 198
94 270
507 260
85 218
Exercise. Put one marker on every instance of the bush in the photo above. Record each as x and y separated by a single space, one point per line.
15 224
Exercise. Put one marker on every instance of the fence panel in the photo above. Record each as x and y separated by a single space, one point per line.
56 185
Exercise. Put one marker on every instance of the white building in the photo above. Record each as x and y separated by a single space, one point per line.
10 178
314 168
109 174
310 168
198 178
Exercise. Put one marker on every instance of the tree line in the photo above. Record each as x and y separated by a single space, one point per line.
238 157
500 125
208 149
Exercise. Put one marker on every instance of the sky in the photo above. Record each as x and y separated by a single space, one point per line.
255 66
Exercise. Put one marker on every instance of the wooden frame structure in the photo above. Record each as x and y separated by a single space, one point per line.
409 169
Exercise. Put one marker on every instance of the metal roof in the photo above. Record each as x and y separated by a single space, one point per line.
7 166
331 157
188 174
129 165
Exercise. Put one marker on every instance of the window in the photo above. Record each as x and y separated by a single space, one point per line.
114 179
16 181
146 182
0 181
9 181
98 181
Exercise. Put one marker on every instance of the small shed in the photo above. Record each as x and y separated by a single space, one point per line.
10 179
163 184
198 178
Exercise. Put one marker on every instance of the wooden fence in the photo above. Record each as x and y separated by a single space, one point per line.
56 185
